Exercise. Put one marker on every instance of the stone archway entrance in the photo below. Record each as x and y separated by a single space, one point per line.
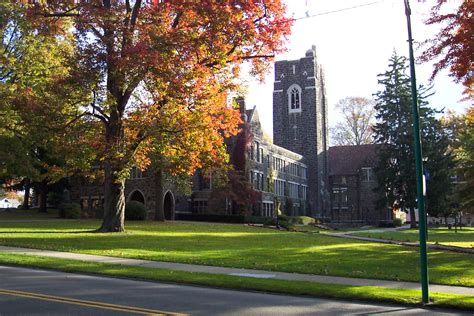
137 196
168 206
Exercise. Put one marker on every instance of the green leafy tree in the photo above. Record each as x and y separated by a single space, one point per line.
396 167
37 128
465 156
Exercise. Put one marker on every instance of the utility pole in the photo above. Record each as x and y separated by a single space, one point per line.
419 165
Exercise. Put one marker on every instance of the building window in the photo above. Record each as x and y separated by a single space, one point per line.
367 174
136 173
199 206
303 172
294 98
339 198
293 190
279 187
304 192
257 180
267 209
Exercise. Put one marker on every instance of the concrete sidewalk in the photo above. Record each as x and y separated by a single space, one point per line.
349 234
239 272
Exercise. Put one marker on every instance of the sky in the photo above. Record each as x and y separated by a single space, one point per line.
354 46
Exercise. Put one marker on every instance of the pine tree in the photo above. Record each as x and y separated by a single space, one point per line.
394 130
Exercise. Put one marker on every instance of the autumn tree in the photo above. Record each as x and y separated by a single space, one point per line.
232 184
394 131
357 118
453 46
158 73
34 119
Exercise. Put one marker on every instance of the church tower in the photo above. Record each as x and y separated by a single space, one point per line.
300 121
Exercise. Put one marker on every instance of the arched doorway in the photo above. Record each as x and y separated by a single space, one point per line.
168 206
137 196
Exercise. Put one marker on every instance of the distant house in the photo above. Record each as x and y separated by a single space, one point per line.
6 203
352 182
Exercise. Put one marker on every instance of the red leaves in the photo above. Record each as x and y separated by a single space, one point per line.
163 69
454 44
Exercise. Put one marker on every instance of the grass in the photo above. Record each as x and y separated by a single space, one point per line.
31 214
443 236
346 292
242 246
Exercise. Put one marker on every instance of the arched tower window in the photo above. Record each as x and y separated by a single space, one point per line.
294 98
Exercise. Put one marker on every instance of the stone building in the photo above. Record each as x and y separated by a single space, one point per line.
139 187
300 121
296 173
352 185
278 174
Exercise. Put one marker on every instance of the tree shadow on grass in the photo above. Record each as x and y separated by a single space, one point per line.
35 231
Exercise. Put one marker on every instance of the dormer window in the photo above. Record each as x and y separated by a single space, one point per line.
294 98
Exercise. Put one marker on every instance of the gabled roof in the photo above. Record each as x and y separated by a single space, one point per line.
347 160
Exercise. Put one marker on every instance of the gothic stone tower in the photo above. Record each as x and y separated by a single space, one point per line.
300 121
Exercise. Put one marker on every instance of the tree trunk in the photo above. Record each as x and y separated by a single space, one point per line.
114 202
159 204
26 198
43 196
412 217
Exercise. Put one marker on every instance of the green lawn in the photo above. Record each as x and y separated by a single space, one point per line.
442 236
32 214
241 246
346 292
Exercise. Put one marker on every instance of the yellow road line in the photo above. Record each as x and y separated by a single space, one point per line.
66 300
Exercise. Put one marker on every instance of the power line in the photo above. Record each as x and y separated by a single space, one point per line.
336 11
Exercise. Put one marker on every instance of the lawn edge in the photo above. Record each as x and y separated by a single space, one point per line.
301 288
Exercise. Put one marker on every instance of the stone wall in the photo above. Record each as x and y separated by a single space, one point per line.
304 131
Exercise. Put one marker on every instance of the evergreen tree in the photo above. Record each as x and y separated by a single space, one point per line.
394 130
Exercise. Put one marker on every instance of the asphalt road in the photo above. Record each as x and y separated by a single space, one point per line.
38 292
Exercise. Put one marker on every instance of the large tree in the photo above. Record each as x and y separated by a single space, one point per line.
462 142
394 131
158 72
453 46
357 119
34 119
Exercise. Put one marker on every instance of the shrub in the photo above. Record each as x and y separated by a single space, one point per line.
298 220
397 222
70 210
256 219
135 210
282 221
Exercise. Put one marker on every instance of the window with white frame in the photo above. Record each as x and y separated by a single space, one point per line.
279 187
294 98
367 174
267 209
293 190
303 172
304 192
257 180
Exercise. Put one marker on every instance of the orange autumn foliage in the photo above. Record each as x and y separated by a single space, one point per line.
160 73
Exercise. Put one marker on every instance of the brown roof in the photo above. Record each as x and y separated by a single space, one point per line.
347 160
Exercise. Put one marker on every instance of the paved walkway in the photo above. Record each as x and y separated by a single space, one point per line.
348 234
239 272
